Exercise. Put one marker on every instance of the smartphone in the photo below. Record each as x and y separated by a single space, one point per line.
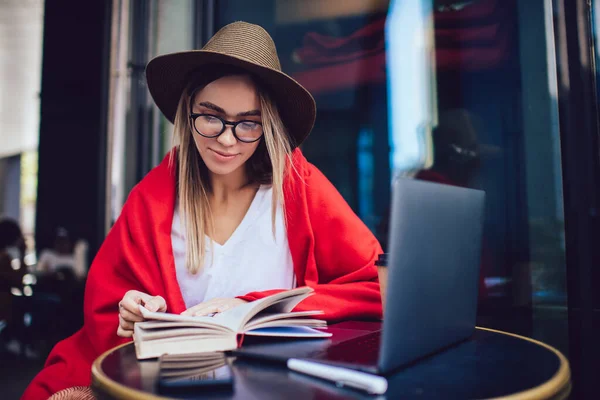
185 378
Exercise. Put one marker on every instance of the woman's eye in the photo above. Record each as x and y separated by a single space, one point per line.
248 125
209 119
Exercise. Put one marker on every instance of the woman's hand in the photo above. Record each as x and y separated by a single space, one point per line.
213 306
129 311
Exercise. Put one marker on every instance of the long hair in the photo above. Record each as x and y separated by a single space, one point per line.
268 165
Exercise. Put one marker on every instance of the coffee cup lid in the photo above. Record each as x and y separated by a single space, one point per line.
382 260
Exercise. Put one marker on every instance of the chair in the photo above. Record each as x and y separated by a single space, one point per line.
74 393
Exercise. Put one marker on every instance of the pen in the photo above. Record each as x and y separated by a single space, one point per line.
370 383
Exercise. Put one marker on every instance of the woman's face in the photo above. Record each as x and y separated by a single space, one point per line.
232 98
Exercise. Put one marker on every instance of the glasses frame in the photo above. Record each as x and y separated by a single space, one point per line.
194 116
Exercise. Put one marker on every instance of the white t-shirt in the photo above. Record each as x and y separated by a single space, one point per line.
251 259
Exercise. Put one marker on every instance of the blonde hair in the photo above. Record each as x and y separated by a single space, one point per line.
268 165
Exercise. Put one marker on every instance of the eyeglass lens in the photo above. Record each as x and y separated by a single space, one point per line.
212 126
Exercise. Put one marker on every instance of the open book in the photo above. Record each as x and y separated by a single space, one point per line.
164 333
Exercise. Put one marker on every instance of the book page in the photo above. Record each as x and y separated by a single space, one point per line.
157 325
236 318
152 334
187 320
313 323
290 331
265 317
182 345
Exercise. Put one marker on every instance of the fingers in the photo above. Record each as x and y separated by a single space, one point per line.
127 319
212 307
125 325
124 333
156 303
132 300
201 309
129 311
129 316
125 328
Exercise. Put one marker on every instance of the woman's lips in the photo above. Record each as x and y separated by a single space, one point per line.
222 156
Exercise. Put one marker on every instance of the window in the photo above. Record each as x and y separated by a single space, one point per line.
459 92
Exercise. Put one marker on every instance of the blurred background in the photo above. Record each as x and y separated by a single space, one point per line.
499 95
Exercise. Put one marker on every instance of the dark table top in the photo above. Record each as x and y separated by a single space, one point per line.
489 364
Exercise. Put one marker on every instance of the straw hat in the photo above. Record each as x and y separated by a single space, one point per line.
242 45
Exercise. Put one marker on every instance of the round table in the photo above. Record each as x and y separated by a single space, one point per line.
491 364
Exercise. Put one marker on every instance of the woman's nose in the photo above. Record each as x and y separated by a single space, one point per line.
227 138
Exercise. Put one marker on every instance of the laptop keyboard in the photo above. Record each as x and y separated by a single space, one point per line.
362 350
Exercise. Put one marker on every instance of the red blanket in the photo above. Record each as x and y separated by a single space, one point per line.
332 250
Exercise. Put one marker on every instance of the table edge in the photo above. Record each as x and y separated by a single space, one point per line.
548 389
113 388
551 387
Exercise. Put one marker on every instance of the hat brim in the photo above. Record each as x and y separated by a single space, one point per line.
168 75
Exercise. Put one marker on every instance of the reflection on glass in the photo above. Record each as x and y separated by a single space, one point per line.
411 83
170 28
459 92
337 50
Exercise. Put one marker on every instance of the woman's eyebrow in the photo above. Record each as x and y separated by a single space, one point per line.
214 107
253 113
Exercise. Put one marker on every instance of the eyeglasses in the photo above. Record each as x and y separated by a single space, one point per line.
211 126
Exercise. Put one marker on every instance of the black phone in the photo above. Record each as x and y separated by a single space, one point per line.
174 383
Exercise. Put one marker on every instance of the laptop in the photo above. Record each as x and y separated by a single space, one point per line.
431 298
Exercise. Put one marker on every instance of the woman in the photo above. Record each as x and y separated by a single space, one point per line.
234 213
59 256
